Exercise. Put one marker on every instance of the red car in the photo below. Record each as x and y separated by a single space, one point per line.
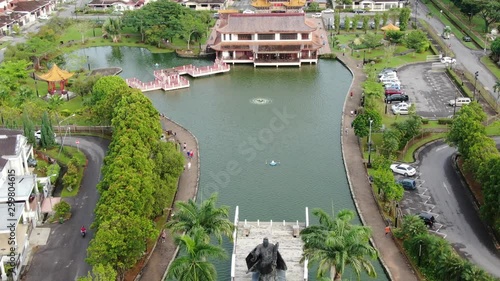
390 92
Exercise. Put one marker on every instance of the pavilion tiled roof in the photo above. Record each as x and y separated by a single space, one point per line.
55 74
266 23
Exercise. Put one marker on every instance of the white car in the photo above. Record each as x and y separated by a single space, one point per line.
38 134
401 108
43 17
448 60
317 15
328 11
247 11
403 169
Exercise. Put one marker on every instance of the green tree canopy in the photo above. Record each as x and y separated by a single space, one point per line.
417 40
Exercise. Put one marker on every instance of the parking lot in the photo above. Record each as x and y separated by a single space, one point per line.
430 90
419 200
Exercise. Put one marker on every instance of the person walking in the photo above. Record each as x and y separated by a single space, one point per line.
387 230
163 236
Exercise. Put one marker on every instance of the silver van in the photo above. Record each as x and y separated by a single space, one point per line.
459 101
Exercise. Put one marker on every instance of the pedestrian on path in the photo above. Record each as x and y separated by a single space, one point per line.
351 95
189 165
346 131
387 230
163 236
184 146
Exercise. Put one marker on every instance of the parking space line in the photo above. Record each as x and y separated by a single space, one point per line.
444 184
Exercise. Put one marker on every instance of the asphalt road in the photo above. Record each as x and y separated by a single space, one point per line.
456 215
63 258
466 58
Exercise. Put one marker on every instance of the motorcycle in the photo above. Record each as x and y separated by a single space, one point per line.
83 232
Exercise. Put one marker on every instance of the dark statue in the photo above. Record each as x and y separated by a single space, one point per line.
265 260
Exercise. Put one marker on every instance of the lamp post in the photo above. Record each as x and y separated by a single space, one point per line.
36 84
59 125
370 145
88 63
364 56
455 105
475 83
416 8
352 48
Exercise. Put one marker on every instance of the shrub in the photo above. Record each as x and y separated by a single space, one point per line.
444 121
62 209
425 121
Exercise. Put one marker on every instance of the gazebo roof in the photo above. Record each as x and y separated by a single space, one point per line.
389 27
55 74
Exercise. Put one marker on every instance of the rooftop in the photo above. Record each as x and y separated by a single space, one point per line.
266 23
9 144
23 188
250 234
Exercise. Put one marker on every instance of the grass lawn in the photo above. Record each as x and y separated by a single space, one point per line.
73 104
493 129
491 66
408 157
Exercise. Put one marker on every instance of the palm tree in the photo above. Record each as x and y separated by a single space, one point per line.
214 221
112 27
335 243
193 266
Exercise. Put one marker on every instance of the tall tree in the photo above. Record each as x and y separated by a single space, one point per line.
376 22
335 244
47 139
490 12
29 129
112 27
404 18
417 40
100 273
336 20
193 266
385 17
190 26
39 48
206 216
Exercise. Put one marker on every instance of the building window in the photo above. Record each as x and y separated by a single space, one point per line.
305 36
266 36
243 37
288 36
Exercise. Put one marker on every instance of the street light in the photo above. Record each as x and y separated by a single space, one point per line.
88 63
364 56
475 83
370 145
416 8
59 125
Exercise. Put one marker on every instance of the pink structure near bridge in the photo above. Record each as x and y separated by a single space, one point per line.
171 78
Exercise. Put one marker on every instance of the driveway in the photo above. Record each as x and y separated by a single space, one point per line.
429 89
63 257
442 193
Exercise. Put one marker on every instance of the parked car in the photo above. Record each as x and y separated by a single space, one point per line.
391 75
396 86
328 11
403 169
359 11
248 11
31 162
467 39
408 184
401 111
317 15
396 97
448 60
391 91
38 134
389 80
459 101
428 219
43 17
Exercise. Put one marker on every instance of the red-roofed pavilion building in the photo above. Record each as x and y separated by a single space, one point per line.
54 75
267 39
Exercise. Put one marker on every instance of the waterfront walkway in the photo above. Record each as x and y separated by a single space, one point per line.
164 253
171 78
389 253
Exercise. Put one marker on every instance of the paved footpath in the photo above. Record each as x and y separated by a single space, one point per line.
164 253
391 257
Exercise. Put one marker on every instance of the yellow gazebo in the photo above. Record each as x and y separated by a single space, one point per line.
54 75
390 27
